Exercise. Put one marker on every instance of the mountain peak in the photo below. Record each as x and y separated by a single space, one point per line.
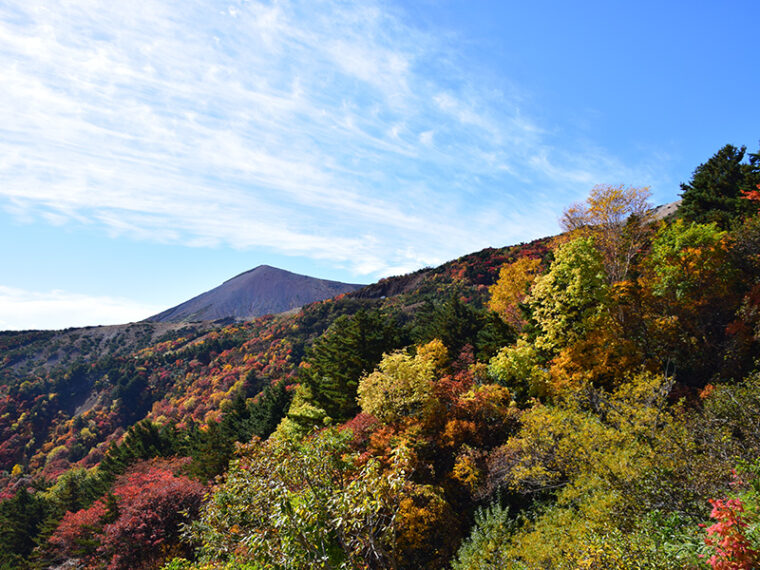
259 291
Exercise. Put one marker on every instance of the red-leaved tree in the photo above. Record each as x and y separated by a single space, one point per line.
733 550
139 529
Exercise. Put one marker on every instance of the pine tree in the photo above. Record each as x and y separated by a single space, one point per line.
453 322
269 409
350 348
714 193
21 518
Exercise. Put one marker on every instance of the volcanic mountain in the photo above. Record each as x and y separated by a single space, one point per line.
260 291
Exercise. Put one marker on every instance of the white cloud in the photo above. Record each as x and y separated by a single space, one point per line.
313 128
20 310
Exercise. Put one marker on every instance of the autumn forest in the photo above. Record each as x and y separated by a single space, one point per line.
586 400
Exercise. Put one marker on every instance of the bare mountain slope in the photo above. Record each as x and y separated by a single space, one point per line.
261 291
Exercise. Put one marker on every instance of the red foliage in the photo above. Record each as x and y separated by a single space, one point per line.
76 533
150 511
362 426
753 195
732 549
151 502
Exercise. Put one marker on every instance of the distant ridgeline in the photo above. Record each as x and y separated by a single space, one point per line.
587 400
261 291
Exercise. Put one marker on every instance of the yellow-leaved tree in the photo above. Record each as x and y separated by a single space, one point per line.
618 218
511 289
402 384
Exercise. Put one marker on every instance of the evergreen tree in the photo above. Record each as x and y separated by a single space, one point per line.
21 518
144 440
494 335
453 322
269 409
350 348
213 447
714 193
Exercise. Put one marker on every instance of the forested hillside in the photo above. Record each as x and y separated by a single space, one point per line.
589 400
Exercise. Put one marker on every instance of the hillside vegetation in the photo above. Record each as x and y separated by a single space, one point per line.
584 401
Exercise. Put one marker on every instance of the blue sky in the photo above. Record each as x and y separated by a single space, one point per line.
150 150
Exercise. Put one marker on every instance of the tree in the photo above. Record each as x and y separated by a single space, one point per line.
520 369
692 291
137 529
590 451
144 440
350 348
21 518
494 335
213 447
484 548
617 218
306 504
565 302
511 289
268 409
454 322
401 387
714 192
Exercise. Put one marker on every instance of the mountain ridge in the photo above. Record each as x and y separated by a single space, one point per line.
259 291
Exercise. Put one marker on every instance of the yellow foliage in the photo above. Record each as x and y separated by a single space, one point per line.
592 449
457 431
402 385
434 352
602 357
86 434
519 368
566 301
302 416
425 526
511 289
617 217
466 471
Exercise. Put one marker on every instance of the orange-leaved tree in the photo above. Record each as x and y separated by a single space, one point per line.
511 289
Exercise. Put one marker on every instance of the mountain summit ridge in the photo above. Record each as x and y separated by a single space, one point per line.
253 293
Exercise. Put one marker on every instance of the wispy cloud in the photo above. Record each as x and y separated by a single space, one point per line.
320 128
20 309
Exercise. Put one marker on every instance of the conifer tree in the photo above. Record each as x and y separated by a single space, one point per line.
714 192
350 348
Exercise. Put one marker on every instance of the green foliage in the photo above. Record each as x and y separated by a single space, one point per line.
453 322
21 519
75 489
144 440
303 415
350 348
212 448
566 301
694 294
688 260
302 504
483 549
494 335
714 192
519 368
268 409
